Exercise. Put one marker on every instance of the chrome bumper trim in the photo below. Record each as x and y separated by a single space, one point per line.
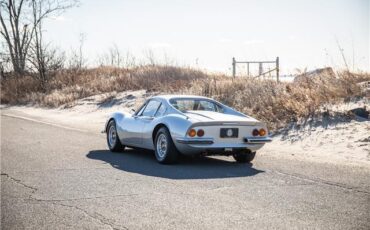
257 140
195 141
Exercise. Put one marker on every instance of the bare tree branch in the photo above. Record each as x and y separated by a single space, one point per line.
19 23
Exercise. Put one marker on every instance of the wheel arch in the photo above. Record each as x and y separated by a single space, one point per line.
156 128
107 124
116 117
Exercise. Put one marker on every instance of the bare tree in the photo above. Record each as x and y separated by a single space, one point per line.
19 25
77 60
81 59
44 59
115 56
112 58
129 60
341 50
5 64
149 55
17 37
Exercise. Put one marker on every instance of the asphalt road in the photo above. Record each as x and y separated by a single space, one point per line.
56 178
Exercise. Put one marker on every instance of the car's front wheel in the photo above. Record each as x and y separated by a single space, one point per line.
244 156
113 141
165 150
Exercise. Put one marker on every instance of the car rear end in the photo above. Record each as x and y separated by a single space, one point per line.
223 138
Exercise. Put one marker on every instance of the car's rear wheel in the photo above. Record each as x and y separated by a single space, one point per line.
113 141
165 150
244 156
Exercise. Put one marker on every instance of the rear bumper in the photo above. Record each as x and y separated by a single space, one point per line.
257 140
195 141
209 141
190 146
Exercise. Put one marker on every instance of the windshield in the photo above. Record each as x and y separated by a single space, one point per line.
189 104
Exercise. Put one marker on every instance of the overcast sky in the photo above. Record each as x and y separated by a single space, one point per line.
208 33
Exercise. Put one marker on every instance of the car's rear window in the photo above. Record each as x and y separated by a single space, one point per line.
189 104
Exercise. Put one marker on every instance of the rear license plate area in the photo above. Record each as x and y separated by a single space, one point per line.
229 132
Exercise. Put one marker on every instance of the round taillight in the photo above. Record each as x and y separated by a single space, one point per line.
192 133
255 132
262 132
200 133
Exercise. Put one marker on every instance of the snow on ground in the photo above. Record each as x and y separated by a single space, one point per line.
335 139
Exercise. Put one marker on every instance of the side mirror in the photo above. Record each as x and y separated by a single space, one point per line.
132 111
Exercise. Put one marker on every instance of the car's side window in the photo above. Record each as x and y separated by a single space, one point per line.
151 108
219 108
141 109
161 111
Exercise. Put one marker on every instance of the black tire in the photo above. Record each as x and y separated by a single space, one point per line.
167 154
114 145
244 156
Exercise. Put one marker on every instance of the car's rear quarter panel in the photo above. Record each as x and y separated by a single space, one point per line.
176 124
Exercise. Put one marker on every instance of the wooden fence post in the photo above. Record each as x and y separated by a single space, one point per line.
234 63
277 69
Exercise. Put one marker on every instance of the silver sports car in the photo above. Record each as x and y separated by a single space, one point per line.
190 125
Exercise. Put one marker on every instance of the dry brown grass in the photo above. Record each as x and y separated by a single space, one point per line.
68 85
275 103
281 103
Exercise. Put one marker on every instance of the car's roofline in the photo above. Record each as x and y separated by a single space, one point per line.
169 97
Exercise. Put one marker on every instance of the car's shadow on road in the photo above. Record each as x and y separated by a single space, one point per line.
144 162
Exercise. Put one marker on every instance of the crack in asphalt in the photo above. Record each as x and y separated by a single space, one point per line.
321 181
97 216
61 169
63 223
87 198
17 181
